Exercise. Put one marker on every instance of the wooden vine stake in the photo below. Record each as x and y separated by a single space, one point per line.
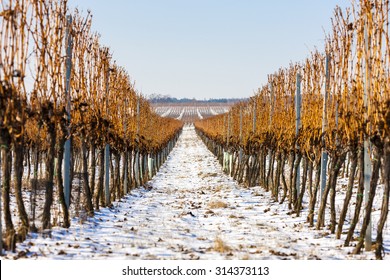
125 157
225 152
137 170
107 146
240 151
324 154
254 118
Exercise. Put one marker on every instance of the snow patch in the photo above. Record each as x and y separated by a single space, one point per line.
191 211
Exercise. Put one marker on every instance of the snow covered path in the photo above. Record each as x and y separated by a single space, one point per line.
190 210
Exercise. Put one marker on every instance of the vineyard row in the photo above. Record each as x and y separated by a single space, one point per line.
62 95
314 119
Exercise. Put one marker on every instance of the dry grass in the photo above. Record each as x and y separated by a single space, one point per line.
220 246
206 175
217 204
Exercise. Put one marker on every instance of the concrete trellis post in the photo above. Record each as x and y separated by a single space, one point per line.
324 154
366 145
367 179
150 166
67 147
298 103
230 164
144 167
107 174
136 167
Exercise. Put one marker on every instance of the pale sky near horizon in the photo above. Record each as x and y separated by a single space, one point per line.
208 48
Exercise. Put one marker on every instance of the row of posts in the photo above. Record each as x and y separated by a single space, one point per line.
228 156
153 161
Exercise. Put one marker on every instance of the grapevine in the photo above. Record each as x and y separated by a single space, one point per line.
266 149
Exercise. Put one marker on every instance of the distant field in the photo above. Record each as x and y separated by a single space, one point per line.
190 112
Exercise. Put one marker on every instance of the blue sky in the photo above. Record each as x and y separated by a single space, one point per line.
208 49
